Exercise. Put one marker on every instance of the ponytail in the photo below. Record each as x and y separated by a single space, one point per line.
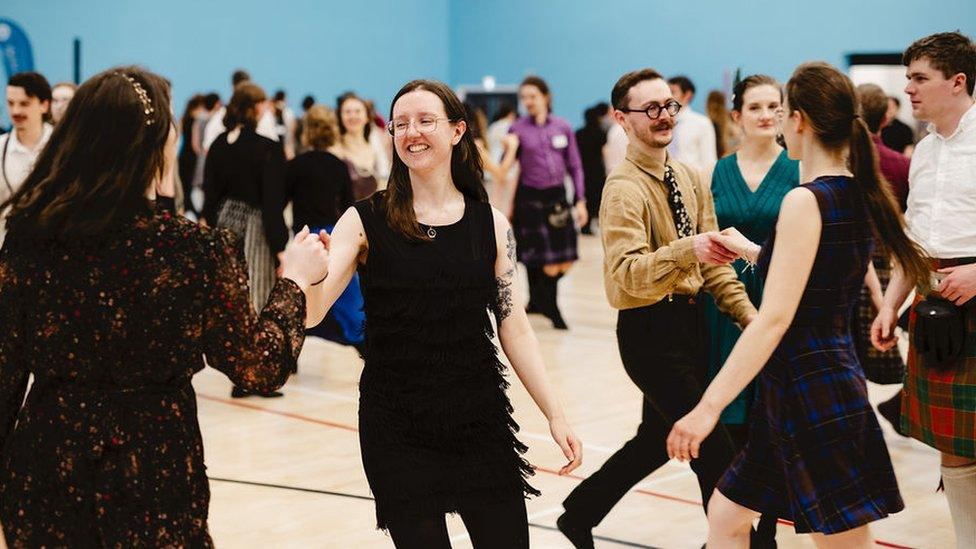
886 218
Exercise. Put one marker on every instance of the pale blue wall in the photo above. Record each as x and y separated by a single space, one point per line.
374 46
323 47
581 47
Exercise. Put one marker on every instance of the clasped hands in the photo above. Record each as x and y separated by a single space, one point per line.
721 248
305 259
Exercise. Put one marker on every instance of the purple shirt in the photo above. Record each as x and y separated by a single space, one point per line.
547 153
894 168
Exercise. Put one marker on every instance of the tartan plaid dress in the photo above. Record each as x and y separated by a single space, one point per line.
939 406
816 454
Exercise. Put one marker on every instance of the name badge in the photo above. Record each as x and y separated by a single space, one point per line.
560 141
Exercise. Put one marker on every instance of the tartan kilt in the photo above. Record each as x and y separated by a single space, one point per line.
538 242
939 406
882 367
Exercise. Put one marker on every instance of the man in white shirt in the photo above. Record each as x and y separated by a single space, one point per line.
215 126
937 403
615 150
29 104
694 134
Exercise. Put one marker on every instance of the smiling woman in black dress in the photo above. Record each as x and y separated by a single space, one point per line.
436 429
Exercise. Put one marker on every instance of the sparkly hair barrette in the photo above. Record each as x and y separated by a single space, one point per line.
147 107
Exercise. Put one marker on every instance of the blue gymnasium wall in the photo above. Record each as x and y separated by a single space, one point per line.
581 47
373 46
324 47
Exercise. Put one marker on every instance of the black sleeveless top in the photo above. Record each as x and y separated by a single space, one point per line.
435 424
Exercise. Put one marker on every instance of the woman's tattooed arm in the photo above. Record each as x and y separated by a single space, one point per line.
503 282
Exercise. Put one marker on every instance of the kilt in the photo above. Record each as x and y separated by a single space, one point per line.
939 406
538 241
882 367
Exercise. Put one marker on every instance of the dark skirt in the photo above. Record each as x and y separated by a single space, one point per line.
544 228
245 221
882 367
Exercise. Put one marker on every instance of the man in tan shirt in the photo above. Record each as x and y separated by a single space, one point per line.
658 227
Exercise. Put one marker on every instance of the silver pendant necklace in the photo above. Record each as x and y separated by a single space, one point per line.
431 233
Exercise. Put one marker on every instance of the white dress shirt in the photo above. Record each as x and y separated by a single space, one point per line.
615 150
215 127
694 140
941 214
18 160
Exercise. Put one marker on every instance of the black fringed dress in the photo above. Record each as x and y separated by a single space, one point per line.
436 429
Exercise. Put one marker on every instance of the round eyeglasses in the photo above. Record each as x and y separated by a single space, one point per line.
653 111
427 124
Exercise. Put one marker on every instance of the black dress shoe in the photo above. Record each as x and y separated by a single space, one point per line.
237 392
557 321
580 536
891 411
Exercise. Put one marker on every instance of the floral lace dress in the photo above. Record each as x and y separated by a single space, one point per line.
106 449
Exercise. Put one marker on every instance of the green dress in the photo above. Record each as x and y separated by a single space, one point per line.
754 214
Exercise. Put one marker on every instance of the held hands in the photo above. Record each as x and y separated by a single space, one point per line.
689 432
883 329
960 284
306 258
571 446
738 244
709 249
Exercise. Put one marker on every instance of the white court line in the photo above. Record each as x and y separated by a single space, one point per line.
319 392
548 512
548 438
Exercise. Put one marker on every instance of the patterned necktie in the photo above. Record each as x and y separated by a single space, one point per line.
681 220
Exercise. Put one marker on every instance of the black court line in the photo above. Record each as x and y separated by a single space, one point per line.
368 498
601 538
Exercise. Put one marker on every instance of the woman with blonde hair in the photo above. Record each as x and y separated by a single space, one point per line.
320 190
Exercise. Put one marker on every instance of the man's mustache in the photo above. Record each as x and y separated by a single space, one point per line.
663 125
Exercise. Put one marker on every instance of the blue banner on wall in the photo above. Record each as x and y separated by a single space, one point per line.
15 47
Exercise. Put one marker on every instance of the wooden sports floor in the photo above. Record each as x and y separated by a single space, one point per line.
286 472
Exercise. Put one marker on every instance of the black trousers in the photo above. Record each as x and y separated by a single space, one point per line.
661 347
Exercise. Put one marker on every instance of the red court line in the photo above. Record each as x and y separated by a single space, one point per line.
241 404
278 413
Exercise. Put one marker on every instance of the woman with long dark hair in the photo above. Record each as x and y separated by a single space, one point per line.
815 453
436 430
244 191
111 307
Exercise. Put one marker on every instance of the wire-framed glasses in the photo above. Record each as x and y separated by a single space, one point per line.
426 124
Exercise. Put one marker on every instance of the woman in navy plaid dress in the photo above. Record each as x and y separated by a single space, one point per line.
815 453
